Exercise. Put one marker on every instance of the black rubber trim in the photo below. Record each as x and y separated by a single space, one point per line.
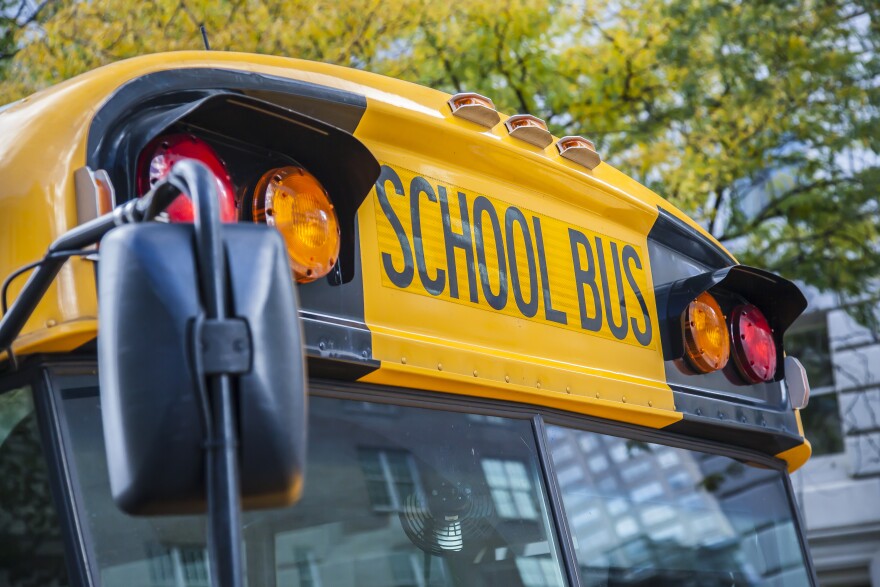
800 526
679 236
770 442
564 535
337 107
339 369
79 554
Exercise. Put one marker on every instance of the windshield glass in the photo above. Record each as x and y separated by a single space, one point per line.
394 496
647 514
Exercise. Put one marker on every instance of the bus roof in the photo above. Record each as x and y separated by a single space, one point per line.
553 349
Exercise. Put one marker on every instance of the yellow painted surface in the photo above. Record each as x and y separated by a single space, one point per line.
797 456
444 340
436 342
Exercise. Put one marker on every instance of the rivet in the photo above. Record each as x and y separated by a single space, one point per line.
597 395
439 366
50 323
538 385
567 389
475 373
650 404
365 354
321 345
743 420
403 360
720 415
507 378
623 399
698 412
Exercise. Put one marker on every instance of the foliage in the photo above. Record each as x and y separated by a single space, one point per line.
759 118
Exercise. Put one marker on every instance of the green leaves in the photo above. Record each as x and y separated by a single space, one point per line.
760 119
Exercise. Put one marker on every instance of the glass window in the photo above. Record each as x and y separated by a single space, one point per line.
31 548
511 488
807 340
687 518
390 476
403 497
821 420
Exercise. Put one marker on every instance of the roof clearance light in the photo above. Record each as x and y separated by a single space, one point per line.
754 349
705 334
474 107
292 200
160 156
579 150
530 129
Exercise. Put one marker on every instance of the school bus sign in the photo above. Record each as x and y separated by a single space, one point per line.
447 242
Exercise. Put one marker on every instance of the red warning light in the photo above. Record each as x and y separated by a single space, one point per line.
753 344
161 155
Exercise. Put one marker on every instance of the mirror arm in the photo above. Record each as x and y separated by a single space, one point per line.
224 502
84 235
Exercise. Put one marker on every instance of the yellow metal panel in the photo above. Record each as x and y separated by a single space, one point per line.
60 338
797 456
459 345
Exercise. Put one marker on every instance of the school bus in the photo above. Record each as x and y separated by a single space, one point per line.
524 367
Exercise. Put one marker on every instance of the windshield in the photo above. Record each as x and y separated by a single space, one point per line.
394 496
410 496
647 514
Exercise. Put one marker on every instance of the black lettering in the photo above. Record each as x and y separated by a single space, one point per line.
585 277
630 257
417 187
404 277
482 206
550 312
530 308
455 240
618 330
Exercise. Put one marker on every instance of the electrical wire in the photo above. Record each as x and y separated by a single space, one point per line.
4 289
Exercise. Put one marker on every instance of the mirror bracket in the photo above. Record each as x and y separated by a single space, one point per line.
224 346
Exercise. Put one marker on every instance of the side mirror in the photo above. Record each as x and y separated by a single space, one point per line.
153 343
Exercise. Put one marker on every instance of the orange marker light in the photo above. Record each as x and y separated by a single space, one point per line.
705 334
292 200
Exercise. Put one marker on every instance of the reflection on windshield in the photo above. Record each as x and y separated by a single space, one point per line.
646 514
394 496
31 549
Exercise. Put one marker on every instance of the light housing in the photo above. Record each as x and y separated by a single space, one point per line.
754 349
162 153
293 201
475 108
797 383
704 329
579 150
530 129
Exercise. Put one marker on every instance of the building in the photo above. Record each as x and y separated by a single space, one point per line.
839 488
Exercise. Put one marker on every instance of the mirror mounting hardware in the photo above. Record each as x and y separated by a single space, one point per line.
225 346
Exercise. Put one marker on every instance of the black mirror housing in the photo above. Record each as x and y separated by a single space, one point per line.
153 426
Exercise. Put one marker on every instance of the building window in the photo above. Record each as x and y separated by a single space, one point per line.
807 341
821 420
511 489
390 477
181 566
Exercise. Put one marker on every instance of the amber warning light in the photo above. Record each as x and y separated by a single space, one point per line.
705 334
292 200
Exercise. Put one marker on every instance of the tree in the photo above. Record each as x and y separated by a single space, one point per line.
758 118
